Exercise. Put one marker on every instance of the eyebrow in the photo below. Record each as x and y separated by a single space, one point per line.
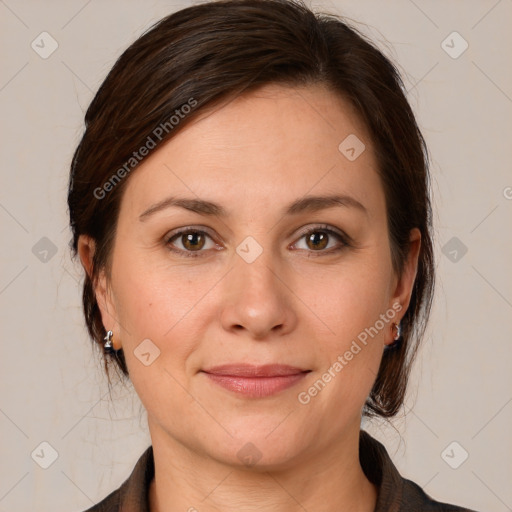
307 204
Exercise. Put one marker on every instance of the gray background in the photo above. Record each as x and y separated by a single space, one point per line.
53 389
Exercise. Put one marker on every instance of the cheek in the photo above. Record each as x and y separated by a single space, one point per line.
155 309
349 299
351 303
153 295
154 303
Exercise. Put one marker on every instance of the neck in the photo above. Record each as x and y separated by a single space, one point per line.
188 481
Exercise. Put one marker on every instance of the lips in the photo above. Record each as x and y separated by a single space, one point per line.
253 381
247 370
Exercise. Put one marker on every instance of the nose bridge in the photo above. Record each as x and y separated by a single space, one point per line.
254 273
255 258
257 276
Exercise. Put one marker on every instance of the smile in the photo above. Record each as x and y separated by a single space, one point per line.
255 381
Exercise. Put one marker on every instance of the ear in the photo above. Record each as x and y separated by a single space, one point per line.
403 285
85 248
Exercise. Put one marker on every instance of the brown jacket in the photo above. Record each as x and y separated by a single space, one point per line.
395 494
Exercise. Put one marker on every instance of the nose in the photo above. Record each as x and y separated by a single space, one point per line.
257 299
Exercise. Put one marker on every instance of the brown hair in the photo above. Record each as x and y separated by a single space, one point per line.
213 51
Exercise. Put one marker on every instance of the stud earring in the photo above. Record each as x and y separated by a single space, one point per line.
108 342
397 337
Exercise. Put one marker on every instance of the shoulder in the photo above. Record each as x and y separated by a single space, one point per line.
109 504
395 493
414 498
133 494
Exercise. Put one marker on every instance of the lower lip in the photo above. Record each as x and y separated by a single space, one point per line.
256 387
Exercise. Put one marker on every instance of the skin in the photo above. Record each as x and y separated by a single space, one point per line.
295 304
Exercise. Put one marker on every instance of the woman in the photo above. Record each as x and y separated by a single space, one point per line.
250 202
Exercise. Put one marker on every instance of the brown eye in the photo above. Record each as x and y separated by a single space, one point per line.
323 241
193 241
317 240
190 242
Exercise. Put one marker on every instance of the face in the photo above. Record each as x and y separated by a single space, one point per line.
246 268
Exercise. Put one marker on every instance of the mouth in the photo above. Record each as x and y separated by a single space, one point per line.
255 381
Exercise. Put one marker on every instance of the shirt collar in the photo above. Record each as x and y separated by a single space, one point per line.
380 470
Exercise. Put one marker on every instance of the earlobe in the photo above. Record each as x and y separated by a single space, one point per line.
107 308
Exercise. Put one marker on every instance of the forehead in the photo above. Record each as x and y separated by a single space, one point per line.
293 121
277 143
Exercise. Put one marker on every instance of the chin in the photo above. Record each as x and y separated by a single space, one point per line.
262 446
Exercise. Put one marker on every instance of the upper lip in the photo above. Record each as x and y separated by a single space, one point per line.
249 370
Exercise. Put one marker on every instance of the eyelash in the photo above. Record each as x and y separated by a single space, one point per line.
345 240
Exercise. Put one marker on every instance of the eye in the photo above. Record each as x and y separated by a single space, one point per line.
190 242
321 239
